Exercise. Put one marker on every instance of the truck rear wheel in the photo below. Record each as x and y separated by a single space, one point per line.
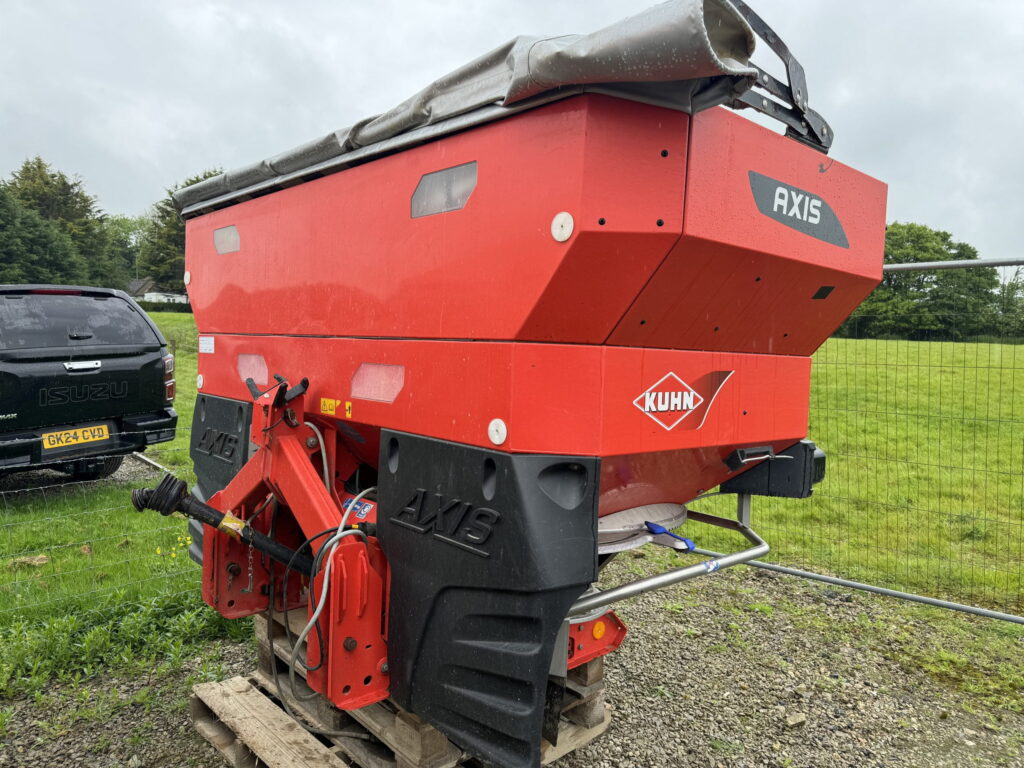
94 469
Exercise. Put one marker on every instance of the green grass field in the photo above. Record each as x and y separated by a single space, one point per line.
924 492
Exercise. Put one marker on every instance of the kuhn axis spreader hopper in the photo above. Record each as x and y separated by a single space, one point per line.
454 358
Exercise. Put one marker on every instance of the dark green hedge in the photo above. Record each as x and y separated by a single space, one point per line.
161 306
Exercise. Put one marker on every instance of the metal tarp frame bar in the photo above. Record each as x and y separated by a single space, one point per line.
934 602
925 266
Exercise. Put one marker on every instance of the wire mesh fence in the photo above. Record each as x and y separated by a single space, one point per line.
924 491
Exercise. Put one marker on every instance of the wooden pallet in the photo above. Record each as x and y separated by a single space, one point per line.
250 729
244 718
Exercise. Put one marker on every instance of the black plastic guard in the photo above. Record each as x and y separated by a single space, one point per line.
487 551
219 448
219 444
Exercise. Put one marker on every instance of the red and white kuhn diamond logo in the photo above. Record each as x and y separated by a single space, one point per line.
669 401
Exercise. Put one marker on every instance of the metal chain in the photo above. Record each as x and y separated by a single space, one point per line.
248 589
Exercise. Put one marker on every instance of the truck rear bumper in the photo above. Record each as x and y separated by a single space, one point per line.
24 449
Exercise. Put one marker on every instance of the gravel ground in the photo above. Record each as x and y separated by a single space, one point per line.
121 722
713 675
741 669
131 471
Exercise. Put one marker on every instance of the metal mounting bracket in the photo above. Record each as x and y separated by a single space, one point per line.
802 122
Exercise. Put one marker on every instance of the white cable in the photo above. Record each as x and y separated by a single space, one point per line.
333 543
323 452
352 504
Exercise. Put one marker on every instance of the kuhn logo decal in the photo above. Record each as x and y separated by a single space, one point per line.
670 400
452 521
797 208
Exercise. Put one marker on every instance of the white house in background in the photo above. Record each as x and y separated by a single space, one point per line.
139 286
165 298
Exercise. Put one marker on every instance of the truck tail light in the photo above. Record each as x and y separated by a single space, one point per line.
169 386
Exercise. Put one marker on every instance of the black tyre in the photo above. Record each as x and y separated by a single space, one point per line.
94 469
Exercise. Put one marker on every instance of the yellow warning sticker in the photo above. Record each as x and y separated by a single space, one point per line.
348 409
328 407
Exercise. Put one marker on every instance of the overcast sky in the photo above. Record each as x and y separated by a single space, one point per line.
134 96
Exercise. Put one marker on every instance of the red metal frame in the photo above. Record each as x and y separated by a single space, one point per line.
353 672
597 637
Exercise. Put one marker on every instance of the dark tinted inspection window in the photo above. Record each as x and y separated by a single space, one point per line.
33 320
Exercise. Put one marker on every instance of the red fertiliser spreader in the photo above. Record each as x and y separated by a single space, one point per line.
455 358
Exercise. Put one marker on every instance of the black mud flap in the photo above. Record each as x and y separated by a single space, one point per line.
487 552
219 445
219 448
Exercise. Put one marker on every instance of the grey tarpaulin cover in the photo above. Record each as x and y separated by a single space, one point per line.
686 54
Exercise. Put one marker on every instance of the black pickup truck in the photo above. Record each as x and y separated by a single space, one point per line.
85 378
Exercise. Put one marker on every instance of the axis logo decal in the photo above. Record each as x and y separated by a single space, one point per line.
220 445
670 400
797 208
453 521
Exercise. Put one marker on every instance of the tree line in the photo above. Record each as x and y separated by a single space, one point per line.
53 231
942 304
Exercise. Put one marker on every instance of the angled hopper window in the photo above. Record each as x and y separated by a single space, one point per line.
226 239
444 191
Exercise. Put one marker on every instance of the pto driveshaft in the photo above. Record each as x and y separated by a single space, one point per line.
171 495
